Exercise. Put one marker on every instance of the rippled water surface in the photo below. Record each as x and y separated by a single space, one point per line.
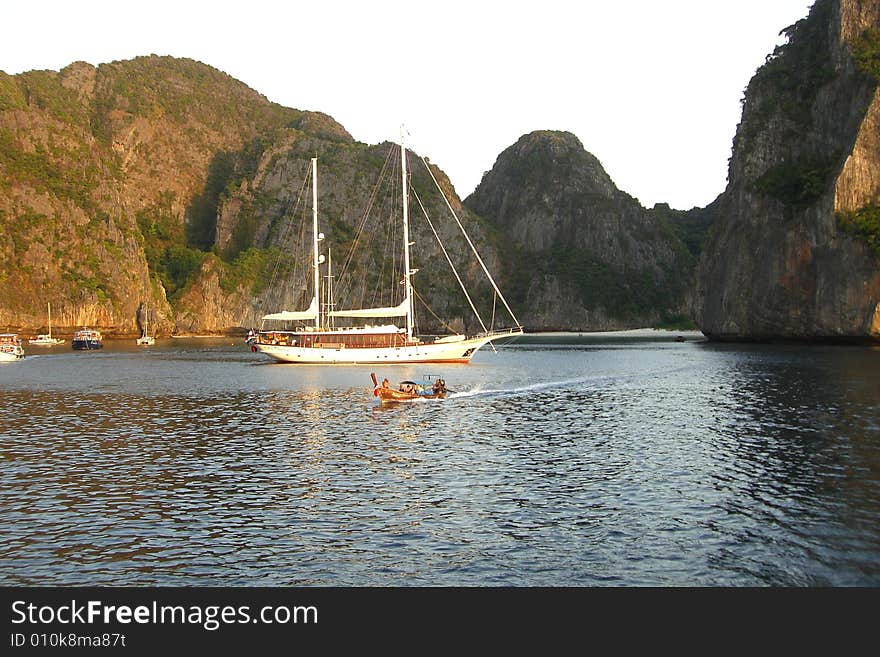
564 461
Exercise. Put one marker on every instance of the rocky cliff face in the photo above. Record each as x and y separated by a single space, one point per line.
88 158
794 253
267 217
586 255
163 184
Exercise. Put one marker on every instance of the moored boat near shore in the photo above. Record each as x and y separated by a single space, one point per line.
146 339
46 339
87 339
10 347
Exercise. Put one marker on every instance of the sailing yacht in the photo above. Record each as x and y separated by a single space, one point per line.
146 339
46 339
313 335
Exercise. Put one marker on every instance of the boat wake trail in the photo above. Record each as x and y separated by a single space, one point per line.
520 390
580 382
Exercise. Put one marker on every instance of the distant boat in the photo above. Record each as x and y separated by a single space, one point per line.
312 336
87 339
10 347
146 339
46 339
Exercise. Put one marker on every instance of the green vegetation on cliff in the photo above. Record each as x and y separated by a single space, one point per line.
593 251
625 295
863 224
11 96
866 53
689 226
250 270
796 184
168 258
792 76
227 169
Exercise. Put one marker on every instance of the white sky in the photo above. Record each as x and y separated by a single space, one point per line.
650 87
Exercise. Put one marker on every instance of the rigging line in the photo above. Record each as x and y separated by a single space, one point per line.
370 202
386 288
449 260
300 263
428 308
283 236
494 300
381 284
471 244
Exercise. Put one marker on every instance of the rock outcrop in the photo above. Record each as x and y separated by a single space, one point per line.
794 253
99 169
585 255
267 217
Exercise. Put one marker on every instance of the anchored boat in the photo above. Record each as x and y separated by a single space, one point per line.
315 335
10 347
146 339
87 339
46 339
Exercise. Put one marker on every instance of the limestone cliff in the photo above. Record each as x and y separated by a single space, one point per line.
100 169
263 232
162 184
794 253
586 256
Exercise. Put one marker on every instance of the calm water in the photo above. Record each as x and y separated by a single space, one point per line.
577 461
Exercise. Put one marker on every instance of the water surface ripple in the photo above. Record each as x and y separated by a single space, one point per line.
578 461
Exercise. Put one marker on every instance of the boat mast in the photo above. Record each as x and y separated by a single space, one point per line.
406 243
49 308
315 239
330 320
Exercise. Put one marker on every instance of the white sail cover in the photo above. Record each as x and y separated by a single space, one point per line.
292 316
390 311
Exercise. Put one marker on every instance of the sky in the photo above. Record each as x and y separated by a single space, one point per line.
652 88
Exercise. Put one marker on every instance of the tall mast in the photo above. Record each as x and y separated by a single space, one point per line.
315 240
331 322
49 308
406 244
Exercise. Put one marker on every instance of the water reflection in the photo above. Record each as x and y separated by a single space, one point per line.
641 463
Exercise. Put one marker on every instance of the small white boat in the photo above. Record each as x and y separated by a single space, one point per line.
46 339
146 339
10 347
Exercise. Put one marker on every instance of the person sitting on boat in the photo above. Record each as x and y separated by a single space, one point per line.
439 386
386 383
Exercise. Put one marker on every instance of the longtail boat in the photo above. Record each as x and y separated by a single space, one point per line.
407 390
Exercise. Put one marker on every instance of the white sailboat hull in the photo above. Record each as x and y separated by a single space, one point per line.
460 351
45 340
9 356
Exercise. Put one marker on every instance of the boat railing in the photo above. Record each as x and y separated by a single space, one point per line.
517 330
